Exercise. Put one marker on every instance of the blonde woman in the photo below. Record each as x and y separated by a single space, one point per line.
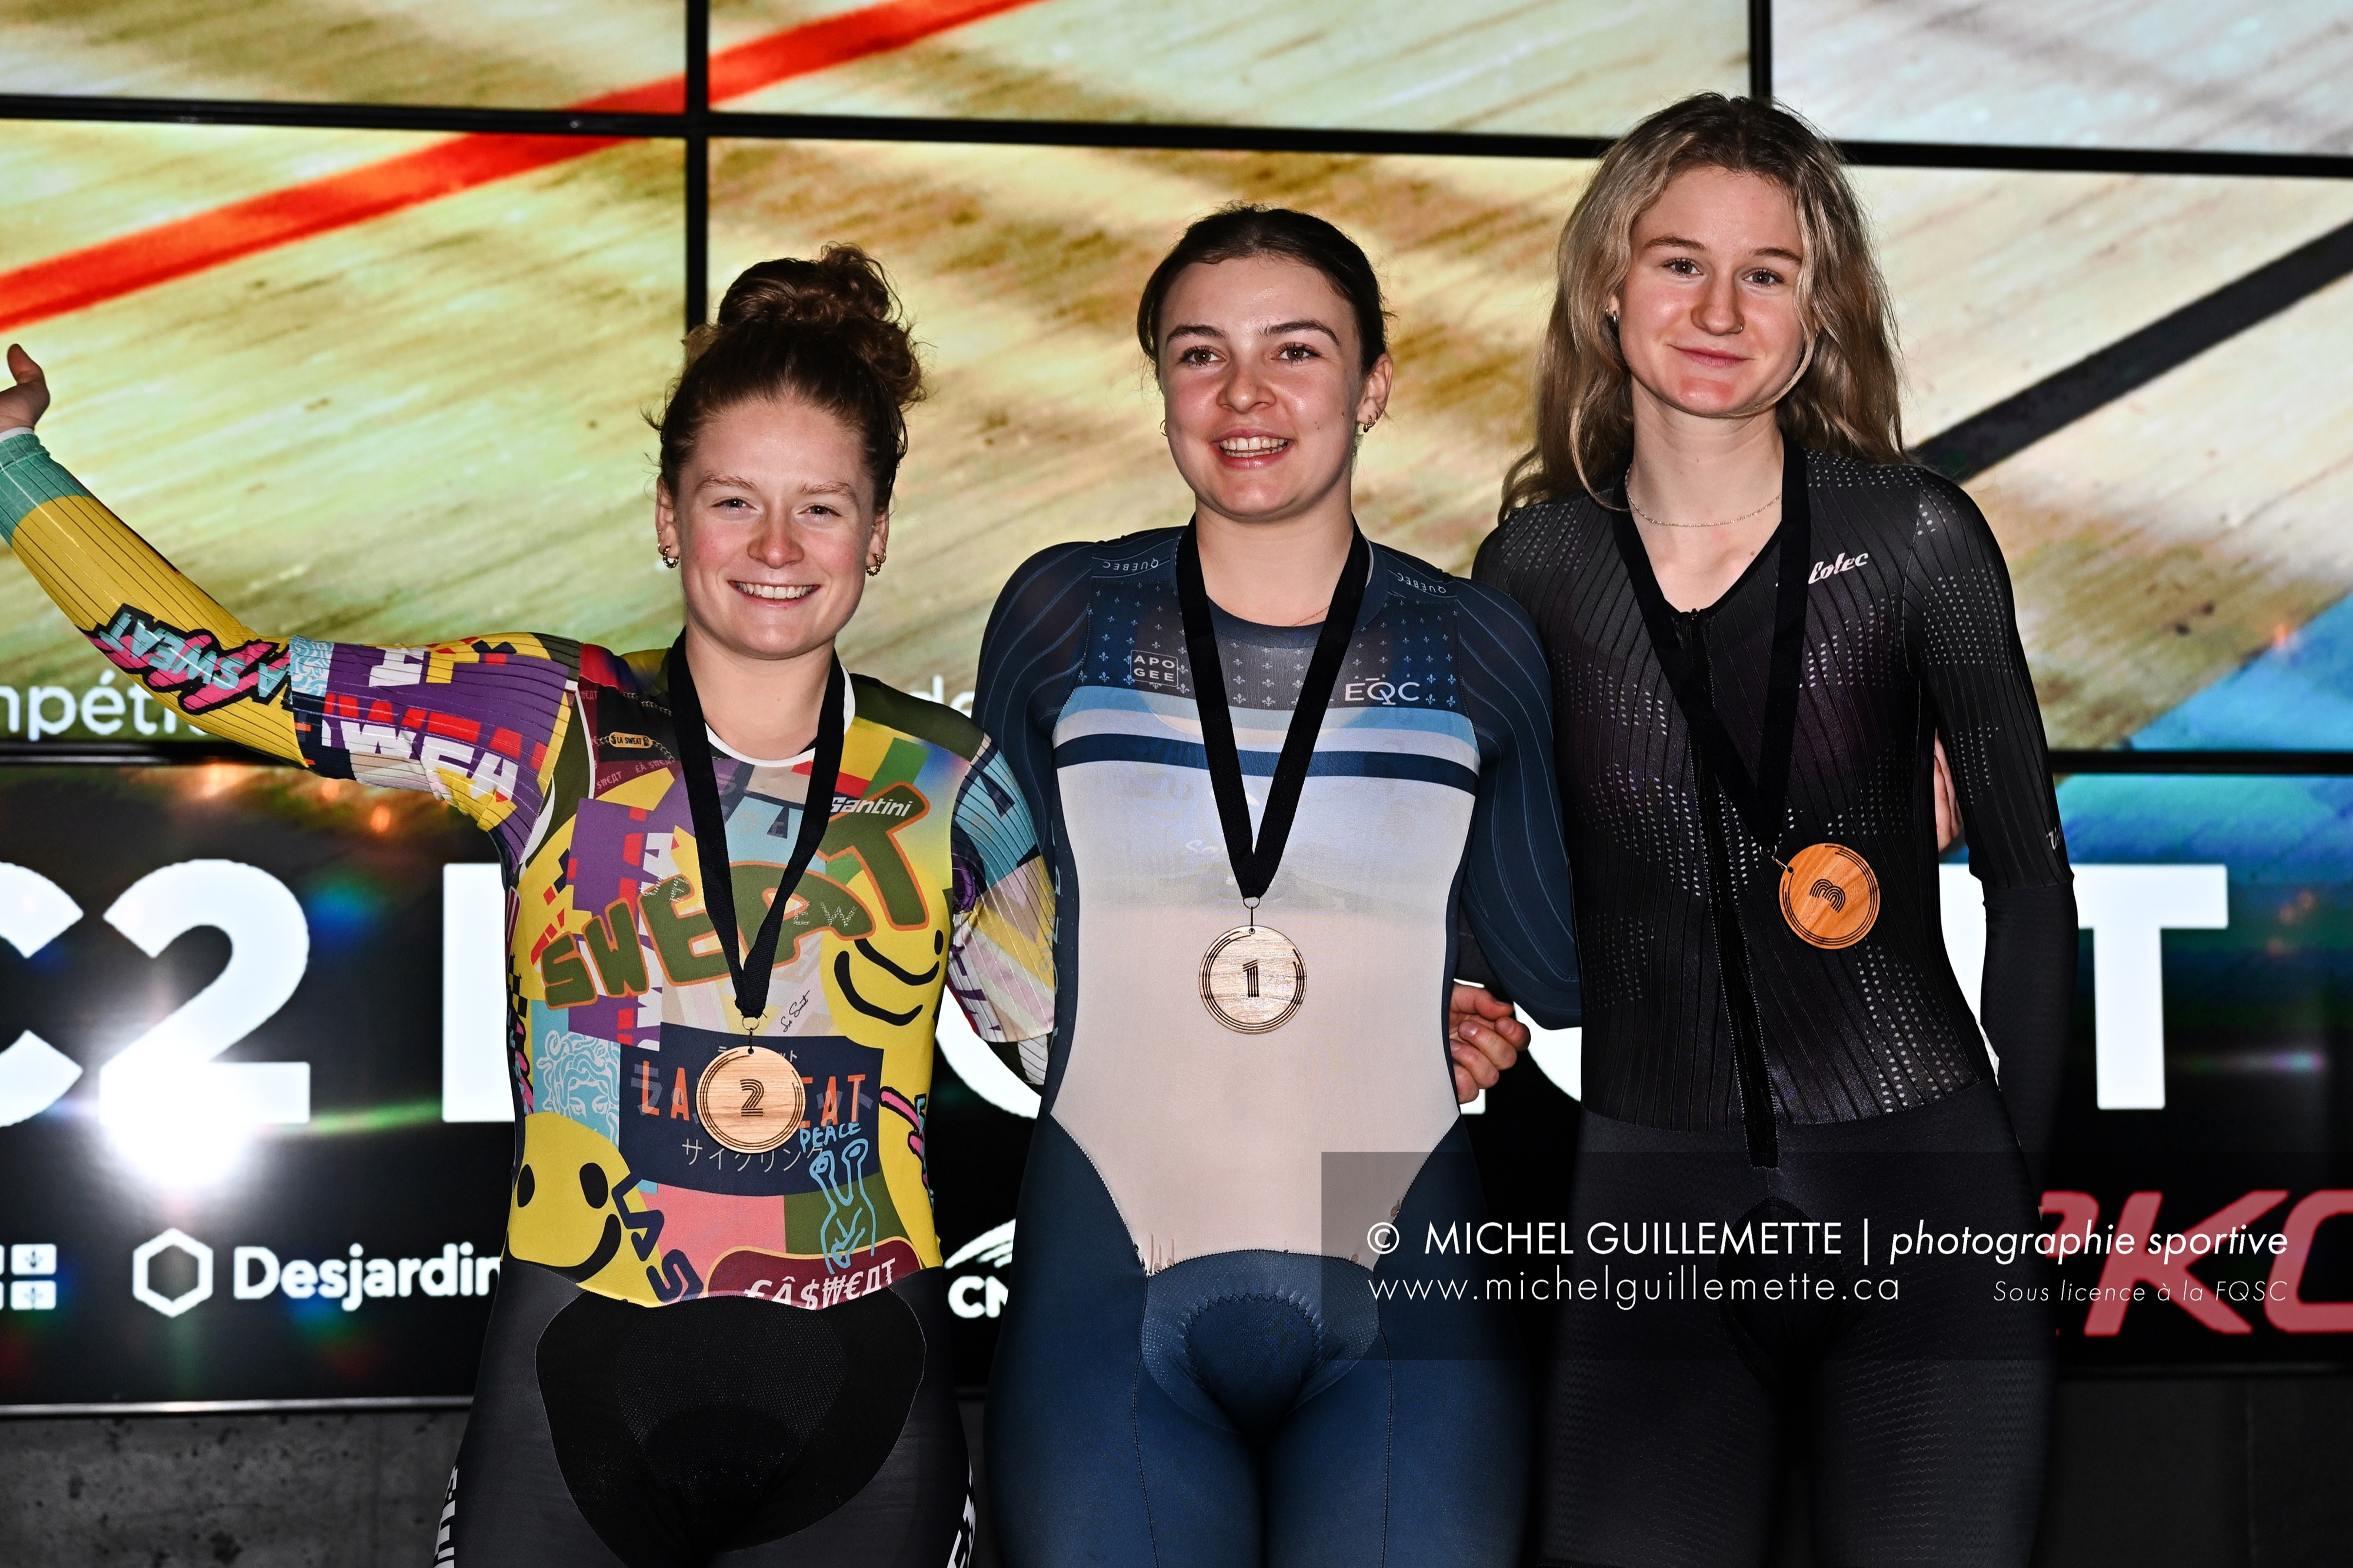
1760 618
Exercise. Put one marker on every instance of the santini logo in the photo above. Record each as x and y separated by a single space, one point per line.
1845 562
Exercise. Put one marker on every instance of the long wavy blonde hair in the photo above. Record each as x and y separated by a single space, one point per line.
1847 399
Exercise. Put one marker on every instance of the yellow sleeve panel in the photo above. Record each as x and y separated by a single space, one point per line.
479 722
139 611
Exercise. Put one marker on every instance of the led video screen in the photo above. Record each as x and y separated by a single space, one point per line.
429 422
1568 68
317 1219
485 54
271 943
2267 77
317 1210
1559 67
2206 1101
383 429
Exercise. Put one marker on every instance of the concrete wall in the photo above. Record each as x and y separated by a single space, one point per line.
2189 1473
361 1491
259 1491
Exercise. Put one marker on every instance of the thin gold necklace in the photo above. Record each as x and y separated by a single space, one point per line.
1727 522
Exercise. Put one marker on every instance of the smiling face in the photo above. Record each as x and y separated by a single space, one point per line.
1707 315
774 525
1260 372
567 1198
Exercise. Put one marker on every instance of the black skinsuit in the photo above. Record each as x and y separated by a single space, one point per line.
1868 1089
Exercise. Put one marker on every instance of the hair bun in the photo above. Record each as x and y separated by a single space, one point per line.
828 331
843 295
842 285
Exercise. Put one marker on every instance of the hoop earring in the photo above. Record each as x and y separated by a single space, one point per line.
669 561
1367 428
874 567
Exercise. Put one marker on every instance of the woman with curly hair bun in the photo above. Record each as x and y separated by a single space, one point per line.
738 881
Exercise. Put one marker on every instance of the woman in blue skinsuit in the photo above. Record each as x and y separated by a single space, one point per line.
1270 762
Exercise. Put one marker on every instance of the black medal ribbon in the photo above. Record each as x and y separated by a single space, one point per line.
1760 800
1254 861
751 971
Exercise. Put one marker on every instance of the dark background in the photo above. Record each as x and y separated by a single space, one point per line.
312 1415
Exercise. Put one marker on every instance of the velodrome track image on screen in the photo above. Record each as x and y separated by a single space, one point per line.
390 385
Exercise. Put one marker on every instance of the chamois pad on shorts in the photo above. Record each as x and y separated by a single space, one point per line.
713 1424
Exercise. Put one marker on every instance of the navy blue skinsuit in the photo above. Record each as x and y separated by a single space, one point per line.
1214 1354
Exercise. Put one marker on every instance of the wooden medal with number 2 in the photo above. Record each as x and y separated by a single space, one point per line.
751 1099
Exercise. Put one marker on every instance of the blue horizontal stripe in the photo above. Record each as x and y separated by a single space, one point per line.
1260 764
1339 715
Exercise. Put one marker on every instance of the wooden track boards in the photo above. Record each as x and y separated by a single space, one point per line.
477 54
1575 68
2268 76
422 426
429 424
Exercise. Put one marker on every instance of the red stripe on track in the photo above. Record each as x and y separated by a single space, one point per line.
114 267
839 39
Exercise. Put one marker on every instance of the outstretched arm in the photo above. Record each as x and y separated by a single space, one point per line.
130 603
477 721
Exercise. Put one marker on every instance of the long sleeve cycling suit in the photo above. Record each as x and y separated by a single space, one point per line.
1210 1357
1875 1102
644 1399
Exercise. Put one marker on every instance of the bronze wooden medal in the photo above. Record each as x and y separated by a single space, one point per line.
1829 895
1254 978
751 1099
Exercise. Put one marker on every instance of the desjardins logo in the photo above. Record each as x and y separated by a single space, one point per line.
172 1272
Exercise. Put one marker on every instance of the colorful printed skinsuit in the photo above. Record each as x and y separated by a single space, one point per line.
928 878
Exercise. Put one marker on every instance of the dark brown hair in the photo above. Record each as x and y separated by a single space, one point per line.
1234 233
1845 400
828 331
